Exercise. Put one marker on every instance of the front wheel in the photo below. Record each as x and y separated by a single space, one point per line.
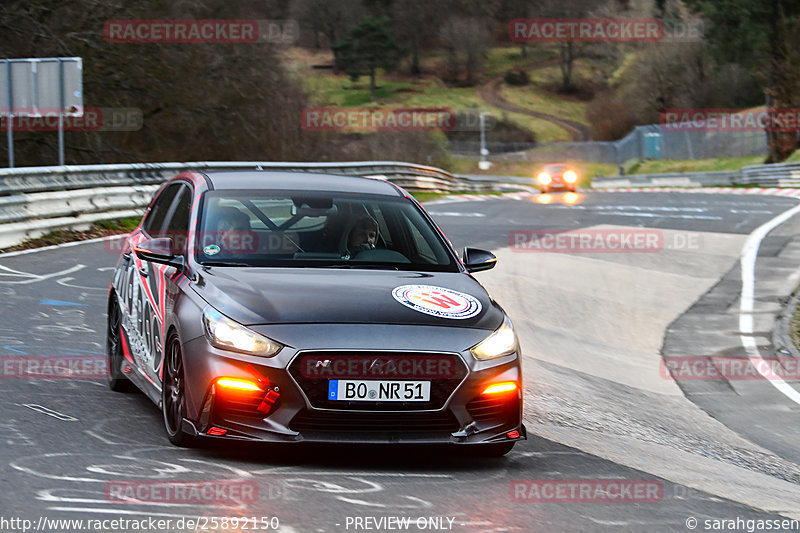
173 395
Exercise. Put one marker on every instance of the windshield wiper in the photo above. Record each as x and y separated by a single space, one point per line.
223 264
357 264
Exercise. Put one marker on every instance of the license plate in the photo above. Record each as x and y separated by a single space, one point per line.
379 391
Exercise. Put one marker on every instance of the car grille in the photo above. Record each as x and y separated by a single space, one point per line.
326 421
442 385
496 410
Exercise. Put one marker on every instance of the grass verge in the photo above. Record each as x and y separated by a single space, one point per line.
102 228
657 166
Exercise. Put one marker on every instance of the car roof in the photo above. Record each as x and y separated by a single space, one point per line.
298 181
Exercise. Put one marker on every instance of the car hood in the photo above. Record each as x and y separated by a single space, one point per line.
254 296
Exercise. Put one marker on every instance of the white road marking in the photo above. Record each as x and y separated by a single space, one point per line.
65 282
326 486
12 436
101 438
420 503
48 496
33 278
63 245
50 412
746 322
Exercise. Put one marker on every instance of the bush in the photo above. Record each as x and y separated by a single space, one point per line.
517 77
609 119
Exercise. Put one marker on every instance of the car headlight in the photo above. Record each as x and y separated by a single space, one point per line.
570 176
226 334
544 178
503 341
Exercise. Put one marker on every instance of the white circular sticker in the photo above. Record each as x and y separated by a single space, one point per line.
437 301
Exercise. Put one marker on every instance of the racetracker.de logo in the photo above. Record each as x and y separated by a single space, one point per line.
586 490
700 368
182 492
54 367
377 367
224 242
365 119
595 30
92 119
191 31
567 241
731 120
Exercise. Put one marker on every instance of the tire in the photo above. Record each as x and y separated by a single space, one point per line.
173 399
116 379
498 449
545 190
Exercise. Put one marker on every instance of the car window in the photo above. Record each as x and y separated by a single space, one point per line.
176 225
264 228
154 223
423 248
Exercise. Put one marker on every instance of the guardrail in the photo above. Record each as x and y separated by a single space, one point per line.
778 175
670 179
781 175
36 200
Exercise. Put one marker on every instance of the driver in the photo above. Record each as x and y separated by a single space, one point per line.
231 227
363 235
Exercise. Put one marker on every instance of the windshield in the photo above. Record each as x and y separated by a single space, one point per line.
269 228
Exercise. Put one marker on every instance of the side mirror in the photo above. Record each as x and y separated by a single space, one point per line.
477 260
158 251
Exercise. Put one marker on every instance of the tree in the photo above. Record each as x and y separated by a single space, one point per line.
370 45
327 18
568 51
760 35
466 40
211 102
416 23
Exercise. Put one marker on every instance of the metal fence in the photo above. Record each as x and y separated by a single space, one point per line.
644 142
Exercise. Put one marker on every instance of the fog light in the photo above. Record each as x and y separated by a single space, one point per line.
499 388
513 434
238 384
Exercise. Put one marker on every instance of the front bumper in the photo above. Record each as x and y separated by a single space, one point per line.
558 184
292 414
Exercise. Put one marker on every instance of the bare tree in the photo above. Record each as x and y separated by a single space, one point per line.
416 23
327 20
664 77
465 41
202 102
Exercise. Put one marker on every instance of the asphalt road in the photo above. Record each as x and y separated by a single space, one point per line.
593 327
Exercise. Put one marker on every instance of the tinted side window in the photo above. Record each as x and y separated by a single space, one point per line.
155 218
177 223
